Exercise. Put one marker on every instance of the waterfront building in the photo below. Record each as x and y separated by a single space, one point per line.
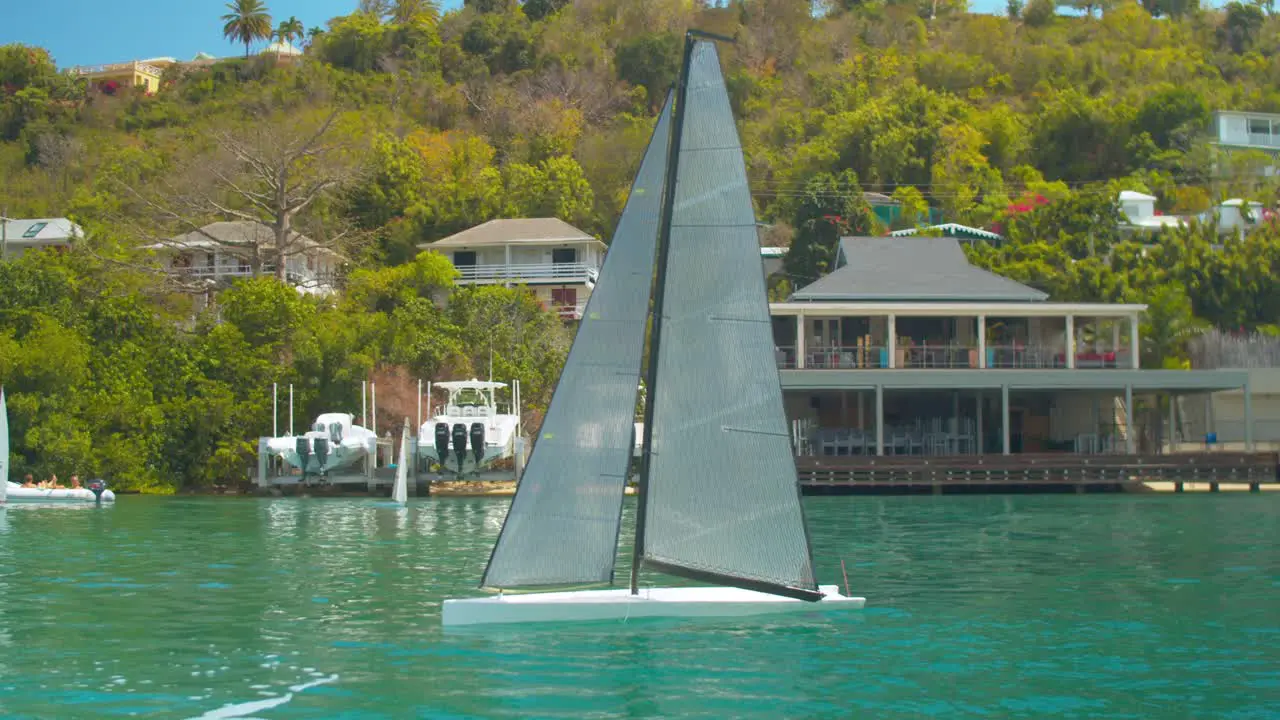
556 260
905 348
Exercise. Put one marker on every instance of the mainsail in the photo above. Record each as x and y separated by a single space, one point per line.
721 501
562 527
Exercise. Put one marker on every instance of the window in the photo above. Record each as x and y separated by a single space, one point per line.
564 297
564 255
34 230
1259 126
464 258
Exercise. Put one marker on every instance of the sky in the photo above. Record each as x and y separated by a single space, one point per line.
93 32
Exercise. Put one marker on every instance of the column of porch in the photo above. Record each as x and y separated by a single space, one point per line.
1071 342
800 341
982 342
892 327
1135 360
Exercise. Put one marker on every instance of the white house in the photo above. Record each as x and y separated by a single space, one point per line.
1240 130
220 252
19 236
556 260
1230 216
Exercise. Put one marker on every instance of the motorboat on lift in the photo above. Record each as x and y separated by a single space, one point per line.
11 492
470 432
333 442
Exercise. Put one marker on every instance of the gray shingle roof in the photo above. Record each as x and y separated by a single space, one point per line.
912 269
228 236
501 232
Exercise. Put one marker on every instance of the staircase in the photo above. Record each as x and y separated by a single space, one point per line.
1120 420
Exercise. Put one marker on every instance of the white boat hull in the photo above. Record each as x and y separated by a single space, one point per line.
620 604
339 457
18 494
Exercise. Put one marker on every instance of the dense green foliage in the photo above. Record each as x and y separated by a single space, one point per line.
1029 124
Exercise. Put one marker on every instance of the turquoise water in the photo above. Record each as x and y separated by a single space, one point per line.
987 606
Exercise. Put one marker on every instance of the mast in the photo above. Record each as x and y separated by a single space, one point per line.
655 335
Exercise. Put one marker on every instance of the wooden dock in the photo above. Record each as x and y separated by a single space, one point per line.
1034 472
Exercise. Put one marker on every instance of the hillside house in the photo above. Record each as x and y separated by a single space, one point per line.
556 260
220 253
19 236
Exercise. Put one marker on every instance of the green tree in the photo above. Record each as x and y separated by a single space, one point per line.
409 11
290 30
650 61
830 207
539 9
247 21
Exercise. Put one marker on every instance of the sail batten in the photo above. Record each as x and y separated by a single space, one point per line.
721 501
563 525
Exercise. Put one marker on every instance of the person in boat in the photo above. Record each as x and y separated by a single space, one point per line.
75 482
53 483
28 481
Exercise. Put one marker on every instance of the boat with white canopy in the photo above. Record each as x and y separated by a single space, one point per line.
470 432
718 499
333 442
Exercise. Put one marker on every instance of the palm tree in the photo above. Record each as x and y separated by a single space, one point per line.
314 33
407 11
247 21
290 29
376 8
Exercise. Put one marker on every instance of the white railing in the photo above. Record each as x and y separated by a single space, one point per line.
301 277
569 312
528 273
1264 139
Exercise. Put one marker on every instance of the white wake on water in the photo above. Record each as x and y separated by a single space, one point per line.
244 711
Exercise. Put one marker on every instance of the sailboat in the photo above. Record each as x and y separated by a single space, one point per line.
718 498
400 491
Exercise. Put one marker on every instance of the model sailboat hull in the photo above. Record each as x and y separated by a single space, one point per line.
620 604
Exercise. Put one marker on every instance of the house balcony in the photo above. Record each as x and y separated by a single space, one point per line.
1264 140
301 278
528 274
925 356
1036 336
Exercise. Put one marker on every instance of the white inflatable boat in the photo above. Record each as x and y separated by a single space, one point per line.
18 494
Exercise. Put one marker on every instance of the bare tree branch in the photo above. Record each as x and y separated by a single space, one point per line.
269 177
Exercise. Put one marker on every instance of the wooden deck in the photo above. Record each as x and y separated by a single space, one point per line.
1044 472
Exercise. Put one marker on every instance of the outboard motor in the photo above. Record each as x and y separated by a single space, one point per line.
322 452
442 442
460 444
97 486
303 446
477 442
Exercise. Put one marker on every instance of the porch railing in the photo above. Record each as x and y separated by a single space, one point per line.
1006 357
528 273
